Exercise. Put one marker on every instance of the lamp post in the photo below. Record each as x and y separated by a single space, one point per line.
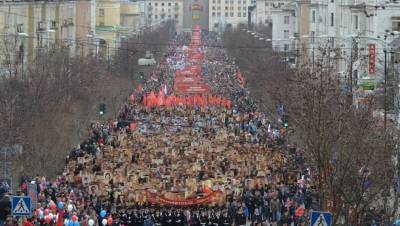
8 152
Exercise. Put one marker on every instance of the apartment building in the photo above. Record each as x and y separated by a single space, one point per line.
353 28
264 10
155 12
227 14
28 28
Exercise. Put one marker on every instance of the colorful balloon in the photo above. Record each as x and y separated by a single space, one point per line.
70 207
103 213
66 221
109 221
46 212
90 222
53 206
104 222
60 205
74 218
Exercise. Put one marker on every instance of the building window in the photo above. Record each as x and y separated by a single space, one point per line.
213 8
286 47
169 3
232 14
312 36
286 19
244 14
162 4
396 23
239 8
176 4
101 12
286 34
149 3
332 1
356 22
101 23
215 25
232 8
226 14
239 14
176 16
218 14
332 19
213 14
313 16
156 4
156 17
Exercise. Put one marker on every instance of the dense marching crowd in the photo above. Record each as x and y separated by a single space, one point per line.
137 169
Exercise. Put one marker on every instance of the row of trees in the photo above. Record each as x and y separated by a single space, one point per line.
350 153
48 108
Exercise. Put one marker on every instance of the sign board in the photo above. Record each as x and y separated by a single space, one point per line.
192 88
33 194
318 218
371 58
5 185
21 206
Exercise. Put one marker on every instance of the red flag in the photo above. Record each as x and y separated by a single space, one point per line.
132 126
207 189
60 220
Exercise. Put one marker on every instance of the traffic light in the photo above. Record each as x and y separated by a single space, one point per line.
285 122
141 74
102 109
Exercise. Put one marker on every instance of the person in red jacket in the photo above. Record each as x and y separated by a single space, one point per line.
27 222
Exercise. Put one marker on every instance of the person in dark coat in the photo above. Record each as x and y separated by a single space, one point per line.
240 218
224 220
5 209
158 218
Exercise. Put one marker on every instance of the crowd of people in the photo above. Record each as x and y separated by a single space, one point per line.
187 164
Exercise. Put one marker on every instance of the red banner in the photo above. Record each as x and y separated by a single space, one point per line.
196 27
192 88
184 79
158 199
196 56
193 71
372 58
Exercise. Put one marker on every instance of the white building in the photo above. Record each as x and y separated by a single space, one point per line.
285 27
264 9
350 26
154 12
227 14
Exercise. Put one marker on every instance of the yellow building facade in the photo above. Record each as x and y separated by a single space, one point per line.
108 24
31 27
130 13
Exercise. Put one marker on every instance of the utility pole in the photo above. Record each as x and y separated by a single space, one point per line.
385 94
351 67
